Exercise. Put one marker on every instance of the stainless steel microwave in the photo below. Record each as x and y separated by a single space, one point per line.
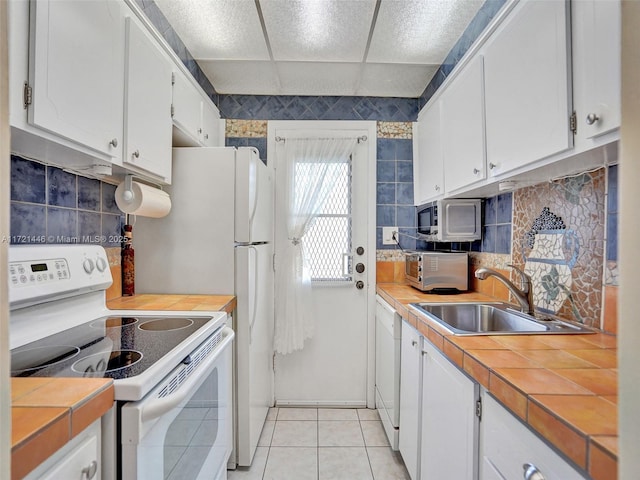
454 220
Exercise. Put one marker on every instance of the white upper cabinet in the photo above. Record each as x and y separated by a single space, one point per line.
527 86
463 135
187 111
427 165
76 72
596 61
211 125
147 105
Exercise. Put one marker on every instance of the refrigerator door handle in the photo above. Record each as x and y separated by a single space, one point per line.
253 270
253 191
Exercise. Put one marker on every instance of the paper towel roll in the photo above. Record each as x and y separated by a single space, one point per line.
146 201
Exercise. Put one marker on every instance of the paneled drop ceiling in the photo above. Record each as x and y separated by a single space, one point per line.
385 48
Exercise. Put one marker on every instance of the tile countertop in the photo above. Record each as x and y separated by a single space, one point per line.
225 303
563 386
48 412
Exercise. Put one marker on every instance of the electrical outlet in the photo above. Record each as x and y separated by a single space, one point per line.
387 235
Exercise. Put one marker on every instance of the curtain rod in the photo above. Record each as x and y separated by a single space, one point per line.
362 138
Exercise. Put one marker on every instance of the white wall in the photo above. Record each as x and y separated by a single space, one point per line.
629 260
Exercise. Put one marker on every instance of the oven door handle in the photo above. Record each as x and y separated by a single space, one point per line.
157 407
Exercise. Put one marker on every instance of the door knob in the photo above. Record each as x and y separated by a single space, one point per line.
359 284
360 251
360 267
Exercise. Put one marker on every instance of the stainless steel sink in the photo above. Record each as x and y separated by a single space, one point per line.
492 319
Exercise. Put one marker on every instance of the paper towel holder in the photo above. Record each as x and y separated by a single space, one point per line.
128 195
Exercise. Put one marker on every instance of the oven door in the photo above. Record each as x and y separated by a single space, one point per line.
186 433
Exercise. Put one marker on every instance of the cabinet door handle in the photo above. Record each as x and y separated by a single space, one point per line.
114 142
476 171
492 166
90 471
136 154
437 188
592 118
531 472
414 343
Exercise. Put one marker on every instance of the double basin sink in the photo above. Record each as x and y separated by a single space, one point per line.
493 319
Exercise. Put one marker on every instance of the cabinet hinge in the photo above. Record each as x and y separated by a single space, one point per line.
173 110
573 123
173 78
479 409
27 95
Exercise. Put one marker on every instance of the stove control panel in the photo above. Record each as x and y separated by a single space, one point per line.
39 272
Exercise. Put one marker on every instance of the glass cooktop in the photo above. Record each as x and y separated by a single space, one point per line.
112 347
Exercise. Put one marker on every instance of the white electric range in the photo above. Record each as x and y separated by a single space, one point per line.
171 369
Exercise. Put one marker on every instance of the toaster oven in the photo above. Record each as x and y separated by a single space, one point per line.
438 271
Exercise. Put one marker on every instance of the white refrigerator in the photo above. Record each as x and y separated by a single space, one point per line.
218 239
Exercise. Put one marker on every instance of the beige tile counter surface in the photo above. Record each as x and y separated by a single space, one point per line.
563 386
174 302
48 412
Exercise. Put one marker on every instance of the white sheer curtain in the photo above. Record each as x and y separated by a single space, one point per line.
294 320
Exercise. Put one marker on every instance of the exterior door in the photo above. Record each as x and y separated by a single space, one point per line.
334 368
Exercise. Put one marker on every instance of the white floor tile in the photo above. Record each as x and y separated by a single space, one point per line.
386 464
255 471
272 414
267 434
295 434
340 434
374 434
350 463
368 414
337 414
297 413
292 463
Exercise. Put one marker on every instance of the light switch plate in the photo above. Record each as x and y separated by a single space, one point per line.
387 235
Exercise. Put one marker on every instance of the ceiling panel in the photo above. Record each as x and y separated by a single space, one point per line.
385 80
220 29
318 78
318 30
242 77
419 31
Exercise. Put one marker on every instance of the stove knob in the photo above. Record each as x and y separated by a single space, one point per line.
101 264
88 265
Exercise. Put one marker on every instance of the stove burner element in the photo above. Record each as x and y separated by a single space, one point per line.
98 364
166 324
36 358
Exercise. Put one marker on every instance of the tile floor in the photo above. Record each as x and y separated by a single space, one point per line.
323 444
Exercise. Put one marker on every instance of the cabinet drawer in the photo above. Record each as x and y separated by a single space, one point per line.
506 445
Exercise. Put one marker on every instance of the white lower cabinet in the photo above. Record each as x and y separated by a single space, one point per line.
410 391
449 437
509 450
79 459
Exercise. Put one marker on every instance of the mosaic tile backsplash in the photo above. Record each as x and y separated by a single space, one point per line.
559 239
50 205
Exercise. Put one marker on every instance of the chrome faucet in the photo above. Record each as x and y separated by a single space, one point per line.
524 294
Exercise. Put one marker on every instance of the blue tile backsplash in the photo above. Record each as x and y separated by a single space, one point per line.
50 205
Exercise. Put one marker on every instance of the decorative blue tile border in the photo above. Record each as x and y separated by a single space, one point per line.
612 213
290 107
484 16
50 205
